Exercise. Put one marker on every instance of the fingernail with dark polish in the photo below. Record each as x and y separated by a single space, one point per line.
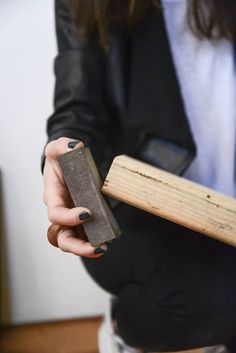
84 215
99 250
72 144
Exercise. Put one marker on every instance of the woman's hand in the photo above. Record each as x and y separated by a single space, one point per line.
57 200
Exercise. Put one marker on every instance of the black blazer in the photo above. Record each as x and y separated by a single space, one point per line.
125 100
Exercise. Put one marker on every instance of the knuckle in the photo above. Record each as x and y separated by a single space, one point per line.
62 249
51 217
72 217
62 140
56 145
49 149
76 253
45 198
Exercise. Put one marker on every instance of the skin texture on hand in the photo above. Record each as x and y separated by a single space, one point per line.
57 200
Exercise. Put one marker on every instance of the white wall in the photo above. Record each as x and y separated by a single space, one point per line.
45 283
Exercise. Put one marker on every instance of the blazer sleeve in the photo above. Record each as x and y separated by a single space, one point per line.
79 99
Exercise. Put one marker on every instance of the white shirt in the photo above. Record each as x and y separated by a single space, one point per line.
207 78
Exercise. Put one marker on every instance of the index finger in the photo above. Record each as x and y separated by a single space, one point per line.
62 145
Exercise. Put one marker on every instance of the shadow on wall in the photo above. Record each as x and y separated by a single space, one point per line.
5 314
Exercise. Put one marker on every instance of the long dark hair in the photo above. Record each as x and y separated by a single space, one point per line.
212 19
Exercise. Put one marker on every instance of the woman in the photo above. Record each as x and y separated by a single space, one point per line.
158 83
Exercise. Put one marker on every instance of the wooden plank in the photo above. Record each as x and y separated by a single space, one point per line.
70 336
174 198
84 184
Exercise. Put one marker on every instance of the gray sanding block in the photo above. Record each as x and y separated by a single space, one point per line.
84 184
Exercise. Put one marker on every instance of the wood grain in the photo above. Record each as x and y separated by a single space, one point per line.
171 197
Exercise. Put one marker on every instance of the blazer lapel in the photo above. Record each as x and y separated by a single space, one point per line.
155 104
